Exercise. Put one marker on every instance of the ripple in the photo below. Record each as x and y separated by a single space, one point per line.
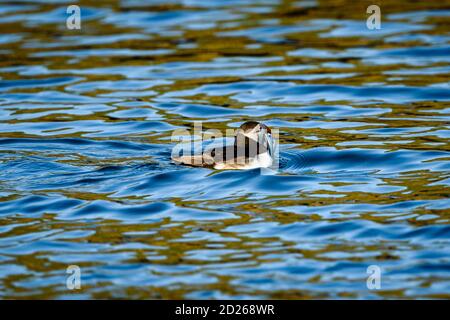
86 119
248 92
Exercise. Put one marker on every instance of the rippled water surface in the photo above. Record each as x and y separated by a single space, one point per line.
86 118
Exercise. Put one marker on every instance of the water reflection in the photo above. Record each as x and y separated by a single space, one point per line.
86 178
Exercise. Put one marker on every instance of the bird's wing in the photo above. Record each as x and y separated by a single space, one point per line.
201 160
229 156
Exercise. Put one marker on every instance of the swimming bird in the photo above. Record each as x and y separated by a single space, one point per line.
253 147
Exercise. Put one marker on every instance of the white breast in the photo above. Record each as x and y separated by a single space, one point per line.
263 160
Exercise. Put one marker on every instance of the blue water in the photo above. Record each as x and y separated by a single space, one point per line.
86 177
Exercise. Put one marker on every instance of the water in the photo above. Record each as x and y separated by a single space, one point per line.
86 118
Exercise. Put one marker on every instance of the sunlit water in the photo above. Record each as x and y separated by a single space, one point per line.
86 118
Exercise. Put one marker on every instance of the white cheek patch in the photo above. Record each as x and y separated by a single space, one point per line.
253 134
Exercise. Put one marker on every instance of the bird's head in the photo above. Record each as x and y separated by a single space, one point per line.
258 132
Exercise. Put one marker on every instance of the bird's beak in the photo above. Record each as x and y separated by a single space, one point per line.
267 140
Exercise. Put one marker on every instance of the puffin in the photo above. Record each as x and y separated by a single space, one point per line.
253 147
